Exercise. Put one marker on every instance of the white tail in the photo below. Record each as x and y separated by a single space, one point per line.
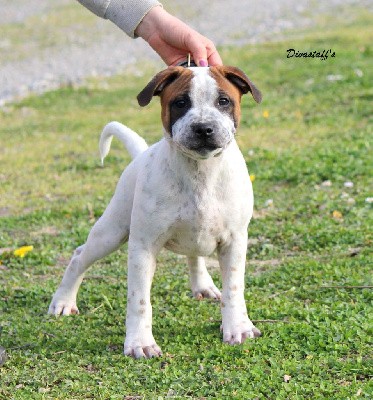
134 143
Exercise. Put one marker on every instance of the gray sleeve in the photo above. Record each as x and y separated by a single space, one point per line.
126 14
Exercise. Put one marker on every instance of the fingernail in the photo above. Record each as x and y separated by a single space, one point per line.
203 63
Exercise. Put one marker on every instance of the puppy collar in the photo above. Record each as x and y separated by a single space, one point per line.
187 64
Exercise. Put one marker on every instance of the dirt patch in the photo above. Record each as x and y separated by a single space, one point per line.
45 230
262 266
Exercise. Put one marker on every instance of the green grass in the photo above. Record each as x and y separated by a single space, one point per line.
306 268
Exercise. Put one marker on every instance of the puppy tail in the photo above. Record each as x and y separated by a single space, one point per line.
131 140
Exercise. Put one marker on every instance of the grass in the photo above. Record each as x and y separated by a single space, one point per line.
309 257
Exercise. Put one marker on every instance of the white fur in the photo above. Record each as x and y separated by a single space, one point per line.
134 143
165 198
203 94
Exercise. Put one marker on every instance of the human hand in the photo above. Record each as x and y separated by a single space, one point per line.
173 40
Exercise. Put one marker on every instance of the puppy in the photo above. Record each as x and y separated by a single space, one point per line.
189 193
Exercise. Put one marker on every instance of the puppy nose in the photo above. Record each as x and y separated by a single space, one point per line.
203 129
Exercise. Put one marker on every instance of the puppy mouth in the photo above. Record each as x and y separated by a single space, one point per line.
203 151
205 148
202 147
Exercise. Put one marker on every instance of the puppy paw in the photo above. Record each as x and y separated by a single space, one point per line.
136 349
238 333
209 292
62 306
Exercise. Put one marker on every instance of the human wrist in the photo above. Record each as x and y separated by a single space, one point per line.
149 24
128 14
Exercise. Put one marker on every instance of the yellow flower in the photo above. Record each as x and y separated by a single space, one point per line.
266 114
22 251
337 214
252 177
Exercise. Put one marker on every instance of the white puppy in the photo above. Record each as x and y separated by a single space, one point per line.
190 193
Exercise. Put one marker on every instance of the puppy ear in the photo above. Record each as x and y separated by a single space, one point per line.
240 80
157 84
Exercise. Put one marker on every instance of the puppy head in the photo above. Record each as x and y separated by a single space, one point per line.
200 106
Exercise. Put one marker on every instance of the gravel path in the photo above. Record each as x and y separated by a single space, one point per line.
44 43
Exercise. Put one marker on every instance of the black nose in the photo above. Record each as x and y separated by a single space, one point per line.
203 129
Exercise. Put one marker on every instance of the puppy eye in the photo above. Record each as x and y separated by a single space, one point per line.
223 101
180 103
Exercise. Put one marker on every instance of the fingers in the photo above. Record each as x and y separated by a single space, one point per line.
203 50
197 48
215 59
172 39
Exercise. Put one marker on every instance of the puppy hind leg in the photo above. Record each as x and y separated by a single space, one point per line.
200 280
109 232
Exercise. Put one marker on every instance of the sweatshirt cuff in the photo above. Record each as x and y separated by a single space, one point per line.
128 14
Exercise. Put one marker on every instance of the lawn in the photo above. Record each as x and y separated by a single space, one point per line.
308 280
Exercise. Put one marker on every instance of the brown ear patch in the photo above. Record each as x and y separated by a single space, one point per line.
239 79
156 86
168 84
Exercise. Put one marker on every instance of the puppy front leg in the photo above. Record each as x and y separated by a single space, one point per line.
139 342
236 323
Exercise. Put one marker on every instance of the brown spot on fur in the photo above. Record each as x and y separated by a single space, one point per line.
175 81
230 89
168 84
239 79
157 84
179 86
142 302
